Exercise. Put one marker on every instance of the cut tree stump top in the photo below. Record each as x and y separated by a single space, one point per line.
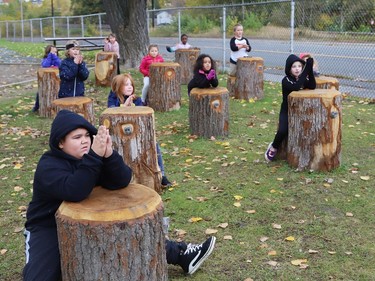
72 101
129 110
105 205
209 91
317 93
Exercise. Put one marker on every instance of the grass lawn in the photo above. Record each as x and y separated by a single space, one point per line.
272 222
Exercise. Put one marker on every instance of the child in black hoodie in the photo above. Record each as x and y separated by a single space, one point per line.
80 158
299 75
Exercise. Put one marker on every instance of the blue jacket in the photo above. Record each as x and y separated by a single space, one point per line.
114 101
72 76
51 60
60 177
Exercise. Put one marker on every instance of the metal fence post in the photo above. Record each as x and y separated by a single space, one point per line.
67 26
82 27
53 27
31 31
224 28
179 24
292 26
41 28
100 25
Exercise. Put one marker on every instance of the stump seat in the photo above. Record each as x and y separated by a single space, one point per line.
314 125
325 82
113 235
186 58
105 68
209 112
164 93
48 90
133 135
249 79
83 106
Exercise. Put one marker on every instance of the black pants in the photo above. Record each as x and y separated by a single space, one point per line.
282 131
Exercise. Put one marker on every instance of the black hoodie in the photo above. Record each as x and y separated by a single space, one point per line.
290 83
61 177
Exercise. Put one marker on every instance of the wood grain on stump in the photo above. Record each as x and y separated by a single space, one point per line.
209 112
186 58
83 106
133 135
325 82
314 138
105 68
48 90
113 235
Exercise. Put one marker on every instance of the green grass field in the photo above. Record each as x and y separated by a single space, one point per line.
288 225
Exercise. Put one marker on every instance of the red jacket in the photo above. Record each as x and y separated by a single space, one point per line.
144 68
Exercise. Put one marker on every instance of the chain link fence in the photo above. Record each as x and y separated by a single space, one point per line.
339 34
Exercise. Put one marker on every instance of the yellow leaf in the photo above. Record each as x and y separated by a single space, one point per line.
17 166
280 179
188 160
331 252
251 211
163 144
299 261
210 231
289 238
238 197
195 219
237 204
272 253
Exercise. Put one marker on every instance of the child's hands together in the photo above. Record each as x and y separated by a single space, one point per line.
211 75
102 143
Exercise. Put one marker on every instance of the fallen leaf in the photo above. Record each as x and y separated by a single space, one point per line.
263 239
298 261
249 279
312 251
251 211
223 225
17 188
17 166
195 219
331 252
237 204
349 214
272 263
228 237
277 226
272 253
365 178
3 251
289 238
18 229
348 253
237 197
210 231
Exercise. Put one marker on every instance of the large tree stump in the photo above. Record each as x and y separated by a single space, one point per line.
186 58
105 68
314 139
164 93
249 79
325 82
48 90
133 135
231 81
113 235
209 112
83 106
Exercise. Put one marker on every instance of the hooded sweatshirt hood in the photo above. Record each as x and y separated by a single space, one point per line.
65 122
289 62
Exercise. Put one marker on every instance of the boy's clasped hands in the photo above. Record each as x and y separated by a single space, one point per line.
102 143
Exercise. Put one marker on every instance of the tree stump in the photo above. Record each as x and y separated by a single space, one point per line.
48 90
113 235
133 135
249 79
186 58
83 106
105 68
164 93
324 82
209 112
231 81
314 138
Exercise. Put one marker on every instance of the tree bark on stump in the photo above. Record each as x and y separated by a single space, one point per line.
113 235
249 79
209 112
231 81
83 106
314 138
164 93
48 90
105 68
186 58
324 82
133 135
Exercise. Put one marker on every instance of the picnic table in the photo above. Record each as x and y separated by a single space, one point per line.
85 43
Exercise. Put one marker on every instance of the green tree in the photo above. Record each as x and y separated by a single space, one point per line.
83 7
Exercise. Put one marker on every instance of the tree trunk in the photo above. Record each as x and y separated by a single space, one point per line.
314 138
164 93
83 106
209 112
186 58
128 19
48 90
231 81
105 68
324 82
249 79
133 134
113 235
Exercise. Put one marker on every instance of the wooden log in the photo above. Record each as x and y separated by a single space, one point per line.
83 106
231 81
113 235
164 93
133 134
325 82
105 68
249 79
314 138
48 90
209 112
186 58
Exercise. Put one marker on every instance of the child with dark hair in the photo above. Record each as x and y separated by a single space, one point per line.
182 45
204 73
299 75
111 45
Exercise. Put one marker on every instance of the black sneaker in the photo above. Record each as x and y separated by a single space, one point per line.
165 181
195 255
